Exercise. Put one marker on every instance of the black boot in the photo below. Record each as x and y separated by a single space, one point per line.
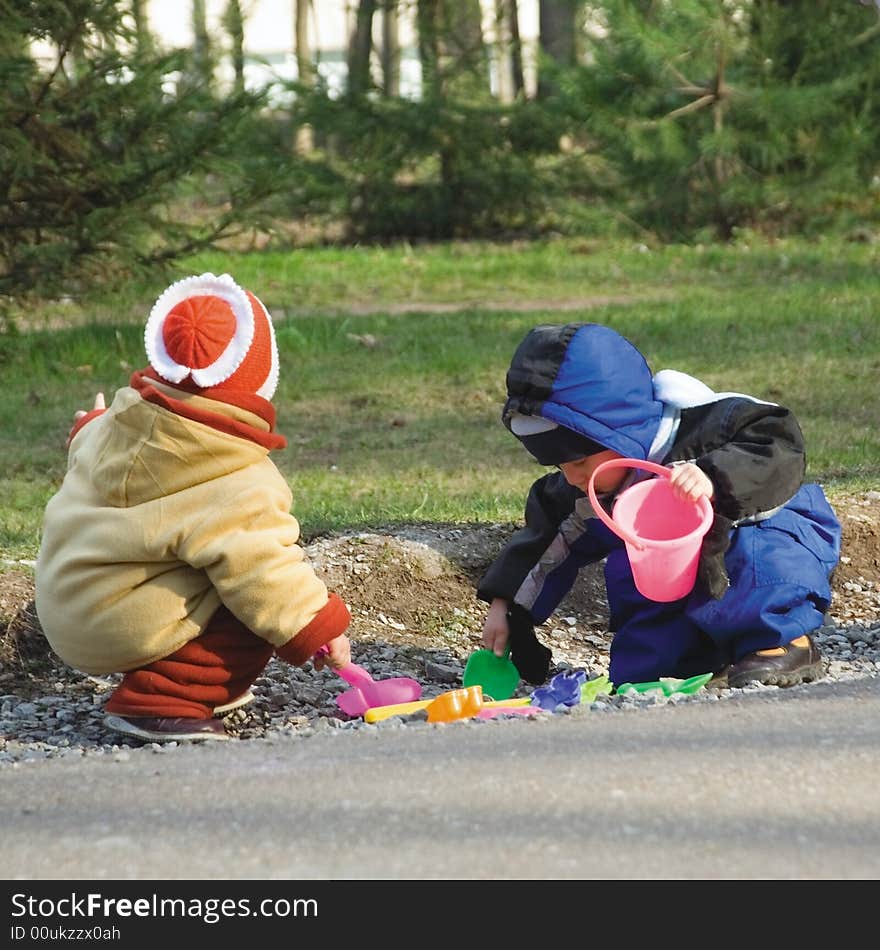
527 653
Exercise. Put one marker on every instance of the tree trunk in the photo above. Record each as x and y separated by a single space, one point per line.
201 48
145 43
503 60
427 16
519 84
305 69
465 58
359 48
390 50
509 62
556 26
75 62
233 20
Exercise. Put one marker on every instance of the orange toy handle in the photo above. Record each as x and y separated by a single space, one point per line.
630 539
377 713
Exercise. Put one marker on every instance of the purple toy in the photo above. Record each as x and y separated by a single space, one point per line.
563 690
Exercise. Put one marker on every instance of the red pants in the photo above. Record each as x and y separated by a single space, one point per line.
211 670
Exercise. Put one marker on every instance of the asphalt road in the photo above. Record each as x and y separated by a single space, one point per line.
778 785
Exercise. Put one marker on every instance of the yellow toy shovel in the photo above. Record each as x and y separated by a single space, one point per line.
378 713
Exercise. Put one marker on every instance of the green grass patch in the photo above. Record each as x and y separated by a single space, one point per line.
391 402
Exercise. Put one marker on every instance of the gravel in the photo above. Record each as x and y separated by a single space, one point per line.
299 702
414 614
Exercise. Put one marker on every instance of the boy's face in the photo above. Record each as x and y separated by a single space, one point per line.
579 472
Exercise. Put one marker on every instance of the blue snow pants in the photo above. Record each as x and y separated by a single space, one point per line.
779 572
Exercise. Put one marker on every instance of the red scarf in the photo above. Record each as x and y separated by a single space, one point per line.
140 380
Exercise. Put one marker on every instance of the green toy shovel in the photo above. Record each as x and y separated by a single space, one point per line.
496 674
668 685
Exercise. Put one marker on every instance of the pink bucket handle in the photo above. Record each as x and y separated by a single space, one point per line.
630 539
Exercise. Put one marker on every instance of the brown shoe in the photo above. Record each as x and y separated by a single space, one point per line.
797 662
167 729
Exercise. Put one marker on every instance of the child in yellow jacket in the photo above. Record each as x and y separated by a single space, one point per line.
169 553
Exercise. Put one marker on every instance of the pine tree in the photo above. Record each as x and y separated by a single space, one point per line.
94 150
717 114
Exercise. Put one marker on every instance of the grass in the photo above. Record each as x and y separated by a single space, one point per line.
390 402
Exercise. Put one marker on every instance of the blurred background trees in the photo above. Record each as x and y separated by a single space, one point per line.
687 120
114 156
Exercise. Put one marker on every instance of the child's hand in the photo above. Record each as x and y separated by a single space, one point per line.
691 482
99 404
337 654
496 631
82 416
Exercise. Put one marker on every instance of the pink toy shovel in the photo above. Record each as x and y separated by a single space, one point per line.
367 692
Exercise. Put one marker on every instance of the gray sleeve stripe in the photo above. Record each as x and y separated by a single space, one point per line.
574 526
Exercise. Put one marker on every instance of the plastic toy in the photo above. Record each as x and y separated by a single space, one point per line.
468 703
598 686
668 685
456 704
495 707
368 693
496 674
563 690
662 532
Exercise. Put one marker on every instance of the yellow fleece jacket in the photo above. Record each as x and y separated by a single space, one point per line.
161 519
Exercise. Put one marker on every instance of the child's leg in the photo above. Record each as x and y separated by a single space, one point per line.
652 639
779 573
209 671
779 592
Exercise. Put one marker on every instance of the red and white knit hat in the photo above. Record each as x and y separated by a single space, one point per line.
211 330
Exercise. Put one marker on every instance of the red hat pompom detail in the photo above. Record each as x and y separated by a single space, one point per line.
198 330
209 329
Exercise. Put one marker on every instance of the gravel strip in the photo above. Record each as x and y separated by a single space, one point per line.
431 646
299 702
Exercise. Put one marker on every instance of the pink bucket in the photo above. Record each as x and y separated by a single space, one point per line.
662 532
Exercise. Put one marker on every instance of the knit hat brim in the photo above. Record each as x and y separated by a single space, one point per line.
208 330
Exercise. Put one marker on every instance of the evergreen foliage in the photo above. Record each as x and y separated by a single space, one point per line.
689 119
430 170
721 114
96 144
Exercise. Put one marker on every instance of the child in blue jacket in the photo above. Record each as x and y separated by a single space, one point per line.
580 394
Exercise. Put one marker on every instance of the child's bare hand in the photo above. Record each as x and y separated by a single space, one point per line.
99 404
496 631
337 655
691 482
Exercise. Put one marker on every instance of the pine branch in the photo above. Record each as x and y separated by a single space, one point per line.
865 35
687 87
692 106
692 90
63 49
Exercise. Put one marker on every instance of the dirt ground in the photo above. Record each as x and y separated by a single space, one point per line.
413 588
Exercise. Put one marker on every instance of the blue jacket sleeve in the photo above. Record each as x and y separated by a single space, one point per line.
539 564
